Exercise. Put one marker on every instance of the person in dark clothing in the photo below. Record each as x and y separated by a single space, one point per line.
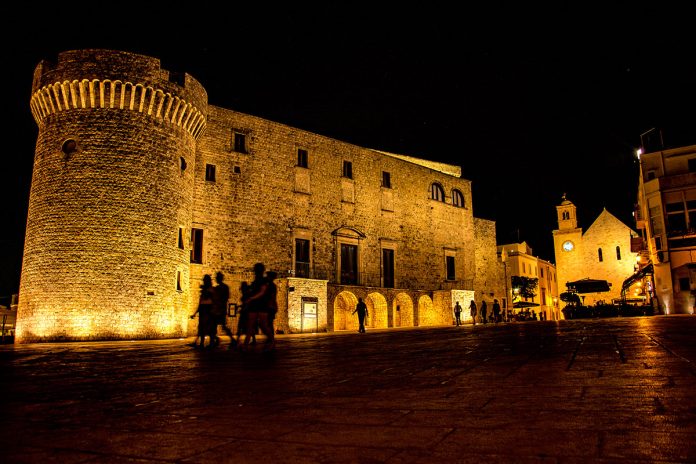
496 311
221 295
205 304
458 314
361 309
483 312
258 305
473 311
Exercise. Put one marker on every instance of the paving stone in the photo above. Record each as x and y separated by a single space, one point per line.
609 391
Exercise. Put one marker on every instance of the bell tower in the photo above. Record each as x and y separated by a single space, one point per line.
567 218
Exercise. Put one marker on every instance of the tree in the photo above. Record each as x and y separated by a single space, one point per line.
526 286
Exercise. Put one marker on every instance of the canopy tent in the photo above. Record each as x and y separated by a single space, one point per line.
524 304
588 285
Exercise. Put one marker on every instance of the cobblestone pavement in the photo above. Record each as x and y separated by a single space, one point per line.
606 391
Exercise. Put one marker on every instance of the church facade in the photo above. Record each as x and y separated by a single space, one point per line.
602 252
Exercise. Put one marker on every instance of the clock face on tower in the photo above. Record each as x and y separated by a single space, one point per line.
568 246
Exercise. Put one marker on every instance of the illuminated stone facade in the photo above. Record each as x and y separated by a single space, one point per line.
520 261
602 252
141 187
666 218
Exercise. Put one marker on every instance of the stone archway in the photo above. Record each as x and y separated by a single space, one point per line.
402 309
377 311
344 305
426 312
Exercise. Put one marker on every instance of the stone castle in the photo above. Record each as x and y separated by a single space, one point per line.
140 187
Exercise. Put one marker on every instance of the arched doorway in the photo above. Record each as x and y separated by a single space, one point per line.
344 305
377 311
402 309
426 312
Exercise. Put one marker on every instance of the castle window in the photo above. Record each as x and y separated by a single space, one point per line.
599 255
182 163
349 264
302 258
387 268
449 263
566 215
181 238
302 158
210 172
197 246
178 281
618 253
386 179
457 198
240 142
69 147
237 170
348 169
437 192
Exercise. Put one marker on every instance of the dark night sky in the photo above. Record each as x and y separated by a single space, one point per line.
531 102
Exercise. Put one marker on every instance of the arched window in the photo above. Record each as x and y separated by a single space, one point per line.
618 253
457 198
599 254
566 215
437 192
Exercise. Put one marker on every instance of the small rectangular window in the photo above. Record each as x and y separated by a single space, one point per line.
386 179
197 246
450 268
684 285
302 258
302 158
181 238
348 169
210 172
692 165
178 281
240 142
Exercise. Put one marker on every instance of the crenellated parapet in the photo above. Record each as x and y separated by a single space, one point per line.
116 94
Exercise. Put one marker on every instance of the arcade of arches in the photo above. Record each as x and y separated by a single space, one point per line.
402 312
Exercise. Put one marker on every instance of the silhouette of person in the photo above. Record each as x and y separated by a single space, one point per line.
221 295
473 311
244 317
205 304
458 314
496 311
258 302
361 309
483 312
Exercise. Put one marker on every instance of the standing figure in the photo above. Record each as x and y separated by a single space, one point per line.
258 305
473 311
205 305
221 295
458 314
483 312
496 311
361 309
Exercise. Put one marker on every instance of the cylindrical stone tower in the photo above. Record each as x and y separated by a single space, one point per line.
106 253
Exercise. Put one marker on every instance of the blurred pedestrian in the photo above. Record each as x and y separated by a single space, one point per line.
458 314
258 306
361 309
496 311
473 311
221 295
205 304
484 315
